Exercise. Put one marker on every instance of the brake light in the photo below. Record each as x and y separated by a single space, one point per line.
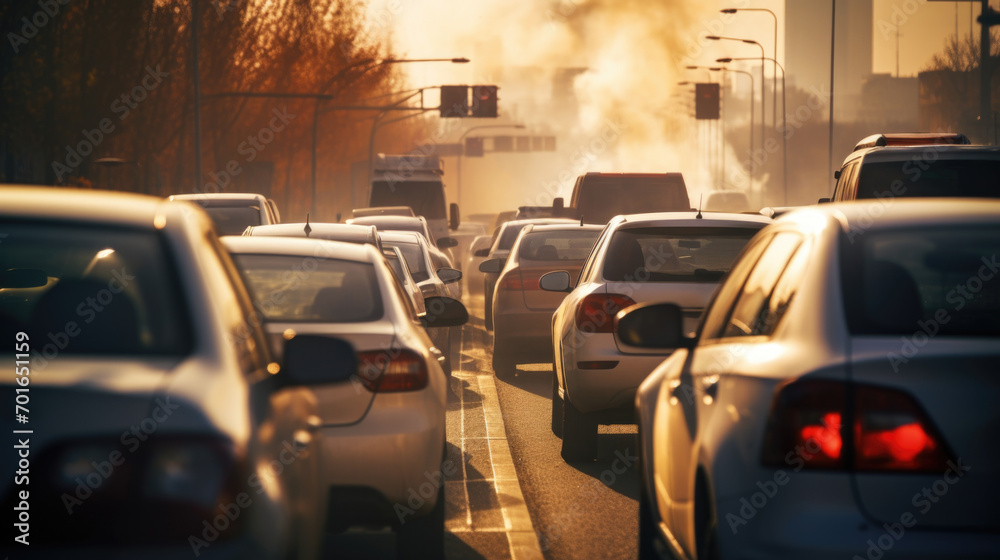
392 371
514 279
596 312
812 425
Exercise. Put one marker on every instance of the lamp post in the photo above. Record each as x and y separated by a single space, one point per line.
461 142
762 96
749 75
720 145
774 77
784 140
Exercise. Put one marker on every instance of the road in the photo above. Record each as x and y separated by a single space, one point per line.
512 495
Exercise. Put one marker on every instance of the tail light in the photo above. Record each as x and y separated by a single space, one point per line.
835 425
596 312
514 279
392 371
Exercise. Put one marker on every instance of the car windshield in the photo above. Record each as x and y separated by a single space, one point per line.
285 289
918 280
232 220
426 198
91 290
557 245
915 178
414 259
671 254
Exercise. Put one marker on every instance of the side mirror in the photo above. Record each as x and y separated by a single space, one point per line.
23 278
492 266
316 360
558 281
453 218
449 275
443 312
824 200
447 243
652 325
482 252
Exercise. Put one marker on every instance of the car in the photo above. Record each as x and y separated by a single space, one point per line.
330 231
598 197
727 201
380 434
440 249
835 396
383 211
433 282
479 248
522 311
157 423
463 237
414 180
638 258
503 240
233 212
907 165
398 263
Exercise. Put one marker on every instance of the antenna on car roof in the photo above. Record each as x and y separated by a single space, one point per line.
700 199
308 229
581 219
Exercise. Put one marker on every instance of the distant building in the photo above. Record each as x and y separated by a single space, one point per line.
891 104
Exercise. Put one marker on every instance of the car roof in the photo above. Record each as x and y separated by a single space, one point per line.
339 232
299 246
901 213
390 221
536 228
84 205
221 199
940 151
539 221
691 219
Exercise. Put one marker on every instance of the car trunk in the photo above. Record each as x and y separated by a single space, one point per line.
955 382
348 401
690 296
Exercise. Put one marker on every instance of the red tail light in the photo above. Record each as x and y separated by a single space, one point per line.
812 425
596 312
392 371
514 279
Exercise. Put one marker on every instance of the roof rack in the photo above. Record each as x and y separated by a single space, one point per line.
911 139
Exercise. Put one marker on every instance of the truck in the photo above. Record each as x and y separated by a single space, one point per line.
415 181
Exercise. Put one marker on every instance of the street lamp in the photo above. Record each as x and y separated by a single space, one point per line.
774 78
721 144
762 95
461 142
749 75
784 139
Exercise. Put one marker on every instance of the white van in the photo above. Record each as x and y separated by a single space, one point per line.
414 181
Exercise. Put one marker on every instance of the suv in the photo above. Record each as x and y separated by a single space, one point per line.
598 197
918 165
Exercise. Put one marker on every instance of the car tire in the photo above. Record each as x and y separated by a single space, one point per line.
557 408
488 309
423 537
579 441
706 525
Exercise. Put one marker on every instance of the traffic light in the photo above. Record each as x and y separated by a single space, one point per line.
474 147
454 102
706 101
484 102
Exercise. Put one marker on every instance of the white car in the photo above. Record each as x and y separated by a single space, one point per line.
840 396
234 212
156 423
382 435
638 258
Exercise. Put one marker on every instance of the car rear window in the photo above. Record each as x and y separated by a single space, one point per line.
91 290
414 259
670 254
557 245
921 178
232 220
601 198
934 281
288 288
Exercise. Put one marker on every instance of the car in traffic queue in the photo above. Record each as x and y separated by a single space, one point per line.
382 433
522 311
638 258
834 401
233 212
503 240
476 254
398 264
156 422
439 249
433 282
